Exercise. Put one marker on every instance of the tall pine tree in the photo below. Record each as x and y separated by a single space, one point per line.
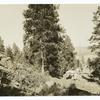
41 38
95 43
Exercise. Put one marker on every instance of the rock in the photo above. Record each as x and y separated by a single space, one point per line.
72 74
50 83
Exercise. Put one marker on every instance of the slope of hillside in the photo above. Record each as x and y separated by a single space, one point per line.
83 51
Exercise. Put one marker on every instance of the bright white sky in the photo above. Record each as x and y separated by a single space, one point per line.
76 19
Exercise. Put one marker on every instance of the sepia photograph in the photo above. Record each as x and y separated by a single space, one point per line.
49 50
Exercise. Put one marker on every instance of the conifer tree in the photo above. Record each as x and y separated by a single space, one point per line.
42 36
2 48
15 49
95 42
9 53
16 52
66 55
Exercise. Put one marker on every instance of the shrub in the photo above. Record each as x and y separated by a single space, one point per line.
28 79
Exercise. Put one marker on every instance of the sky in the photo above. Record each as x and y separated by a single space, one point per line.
76 20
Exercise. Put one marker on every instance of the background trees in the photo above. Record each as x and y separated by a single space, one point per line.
14 53
2 48
18 55
66 55
9 53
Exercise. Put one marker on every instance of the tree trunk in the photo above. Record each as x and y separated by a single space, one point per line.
42 66
42 57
